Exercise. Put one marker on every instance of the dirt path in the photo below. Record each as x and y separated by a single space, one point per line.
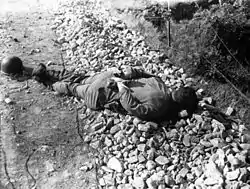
40 146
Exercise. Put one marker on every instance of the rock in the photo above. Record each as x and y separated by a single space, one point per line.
245 186
151 154
134 139
171 167
210 181
243 174
212 172
95 144
115 164
106 169
129 119
186 140
138 183
242 156
150 165
245 138
162 160
233 160
49 166
143 127
142 139
97 126
198 118
107 180
218 125
152 142
199 183
179 179
115 129
242 128
183 172
152 184
117 121
245 146
200 92
183 114
136 121
110 123
108 142
229 111
119 136
86 167
8 101
141 158
161 186
219 159
205 143
50 63
128 172
233 175
215 142
141 147
209 100
190 177
182 122
133 159
152 125
35 51
169 180
125 186
102 182
197 171
229 139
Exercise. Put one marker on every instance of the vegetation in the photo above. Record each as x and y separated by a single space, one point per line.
212 42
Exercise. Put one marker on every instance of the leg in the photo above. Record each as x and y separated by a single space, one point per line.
74 89
49 77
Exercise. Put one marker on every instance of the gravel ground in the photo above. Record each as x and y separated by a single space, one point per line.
57 143
39 143
210 150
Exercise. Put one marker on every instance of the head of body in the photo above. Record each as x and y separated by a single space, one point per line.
186 99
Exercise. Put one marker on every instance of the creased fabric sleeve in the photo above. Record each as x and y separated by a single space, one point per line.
139 72
134 107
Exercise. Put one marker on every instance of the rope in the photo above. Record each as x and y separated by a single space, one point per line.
227 48
227 80
6 169
27 168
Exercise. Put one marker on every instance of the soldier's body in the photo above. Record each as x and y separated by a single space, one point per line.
134 91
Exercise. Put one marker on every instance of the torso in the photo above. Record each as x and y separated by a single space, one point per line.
153 91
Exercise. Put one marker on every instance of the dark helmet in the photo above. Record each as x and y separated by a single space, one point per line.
12 65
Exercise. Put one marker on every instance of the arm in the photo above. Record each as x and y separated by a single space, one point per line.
135 73
134 107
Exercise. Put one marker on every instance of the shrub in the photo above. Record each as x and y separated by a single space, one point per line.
215 39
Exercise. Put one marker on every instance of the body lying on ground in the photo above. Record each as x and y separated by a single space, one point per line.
130 90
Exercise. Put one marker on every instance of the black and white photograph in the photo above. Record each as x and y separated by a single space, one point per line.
124 94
